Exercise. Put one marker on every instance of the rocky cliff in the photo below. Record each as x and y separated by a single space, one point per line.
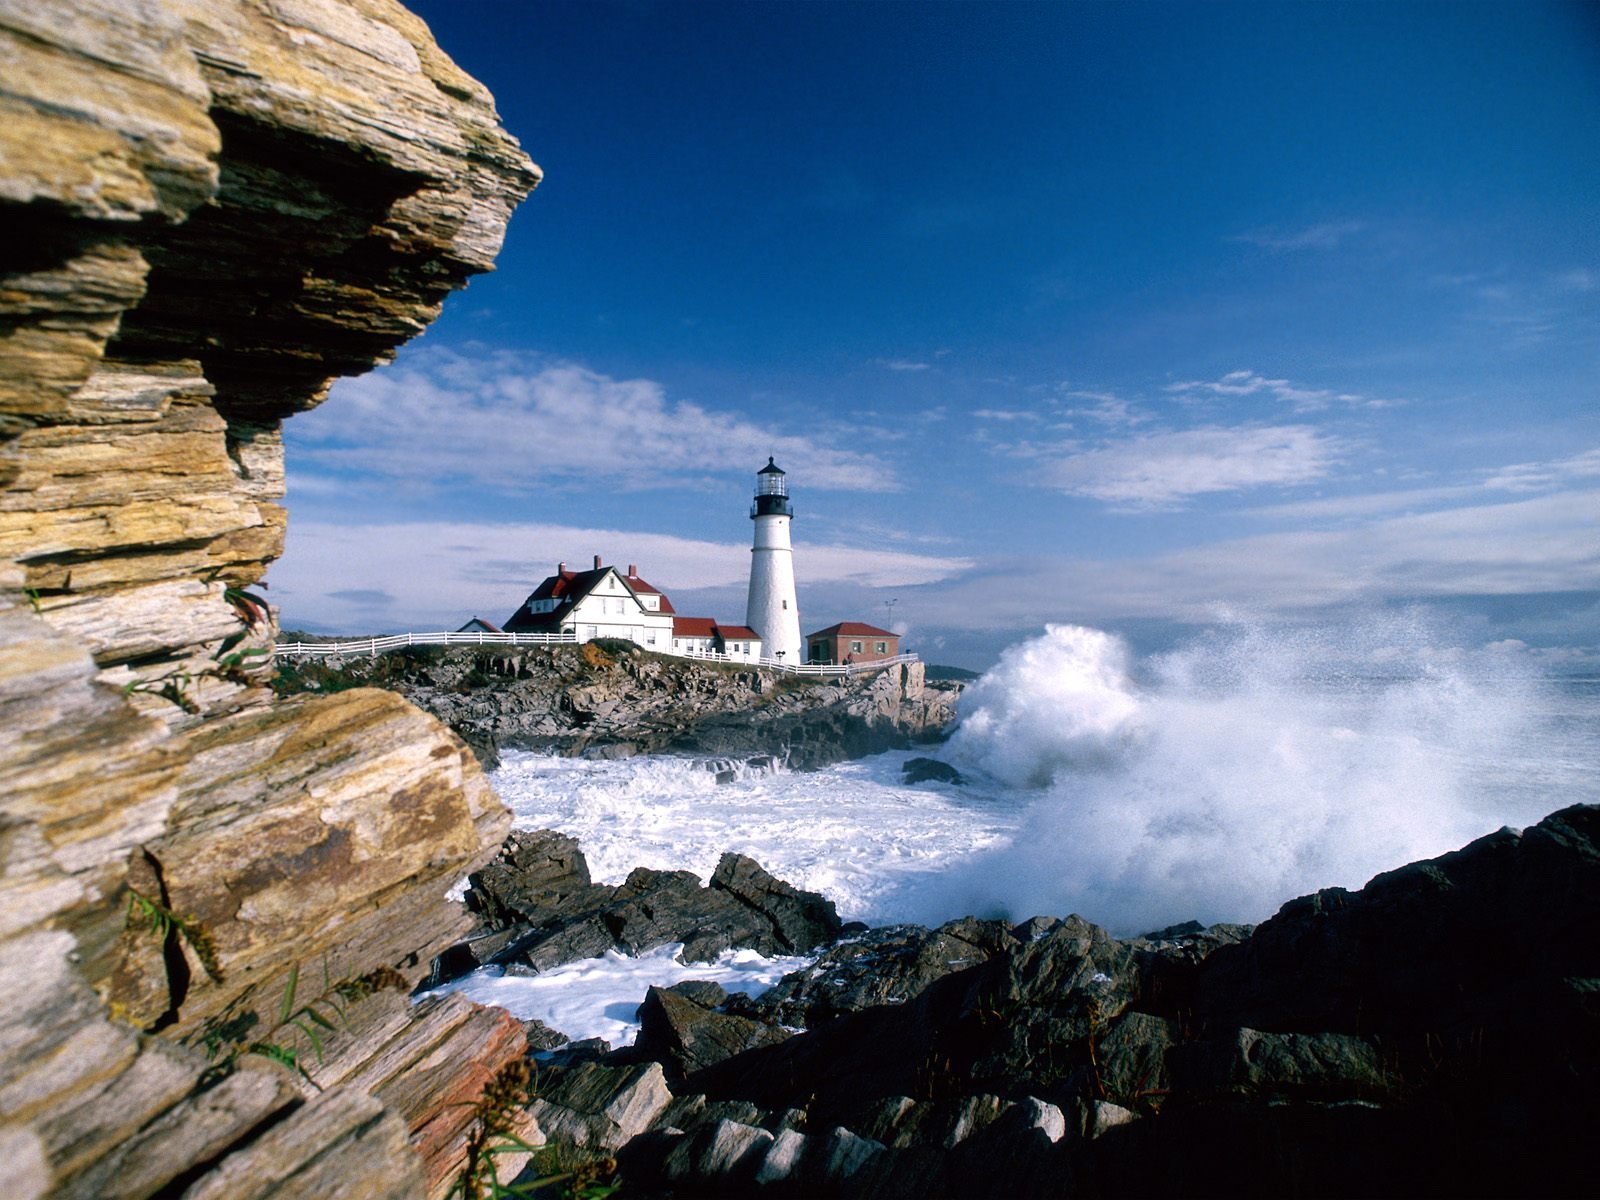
617 700
213 901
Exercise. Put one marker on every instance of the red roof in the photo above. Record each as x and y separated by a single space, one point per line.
646 589
705 627
853 629
488 626
738 631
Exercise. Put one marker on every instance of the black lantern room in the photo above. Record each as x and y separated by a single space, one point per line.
772 493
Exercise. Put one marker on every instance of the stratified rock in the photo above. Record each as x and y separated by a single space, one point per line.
601 1107
213 209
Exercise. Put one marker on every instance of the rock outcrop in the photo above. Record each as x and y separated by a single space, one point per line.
621 701
212 901
1435 1033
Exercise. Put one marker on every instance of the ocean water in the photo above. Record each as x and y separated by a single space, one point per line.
1212 783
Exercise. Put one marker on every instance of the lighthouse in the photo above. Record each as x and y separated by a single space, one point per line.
772 610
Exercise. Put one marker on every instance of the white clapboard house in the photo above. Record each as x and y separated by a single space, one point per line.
603 602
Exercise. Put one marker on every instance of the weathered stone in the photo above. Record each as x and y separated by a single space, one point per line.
212 210
722 1153
602 1107
686 1036
888 965
555 699
339 1142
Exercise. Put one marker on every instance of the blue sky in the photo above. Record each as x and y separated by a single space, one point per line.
1137 315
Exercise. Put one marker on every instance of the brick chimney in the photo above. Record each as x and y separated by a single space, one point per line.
633 571
597 563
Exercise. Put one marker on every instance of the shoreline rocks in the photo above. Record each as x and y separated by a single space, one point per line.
1434 1033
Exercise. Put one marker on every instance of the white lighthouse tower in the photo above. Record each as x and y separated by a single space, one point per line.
772 611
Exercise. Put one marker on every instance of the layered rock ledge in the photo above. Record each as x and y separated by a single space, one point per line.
214 902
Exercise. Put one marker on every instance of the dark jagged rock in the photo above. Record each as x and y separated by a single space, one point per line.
889 965
1433 1034
538 909
800 920
686 1036
930 770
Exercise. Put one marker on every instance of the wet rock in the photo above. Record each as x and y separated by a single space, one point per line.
534 872
888 965
800 920
540 910
930 770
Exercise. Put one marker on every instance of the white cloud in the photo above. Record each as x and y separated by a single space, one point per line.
1106 408
1162 470
1324 236
1005 414
1537 476
433 572
1249 383
1365 505
1547 544
516 424
901 364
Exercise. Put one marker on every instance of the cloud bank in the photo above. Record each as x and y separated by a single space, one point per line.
517 423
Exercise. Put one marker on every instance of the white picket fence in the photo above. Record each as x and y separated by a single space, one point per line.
396 641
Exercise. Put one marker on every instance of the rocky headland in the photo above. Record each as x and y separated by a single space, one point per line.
615 700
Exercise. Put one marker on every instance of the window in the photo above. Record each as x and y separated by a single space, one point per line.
855 647
786 605
880 647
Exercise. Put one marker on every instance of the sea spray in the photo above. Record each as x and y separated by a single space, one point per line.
1250 766
1220 780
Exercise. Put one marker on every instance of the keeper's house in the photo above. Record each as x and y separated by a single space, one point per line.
605 603
851 642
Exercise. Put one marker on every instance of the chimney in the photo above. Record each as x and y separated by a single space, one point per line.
561 568
633 571
596 562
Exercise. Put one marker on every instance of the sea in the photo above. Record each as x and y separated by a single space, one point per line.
1212 782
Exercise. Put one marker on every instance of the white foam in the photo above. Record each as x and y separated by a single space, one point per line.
600 997
853 832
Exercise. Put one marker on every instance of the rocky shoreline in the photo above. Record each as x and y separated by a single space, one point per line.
1435 1033
615 700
